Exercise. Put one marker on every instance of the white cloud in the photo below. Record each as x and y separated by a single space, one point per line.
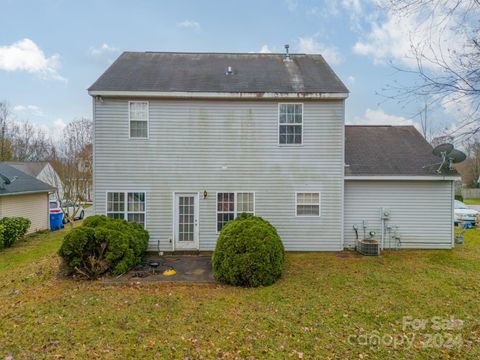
189 24
25 55
265 50
32 109
103 49
310 46
354 6
391 35
291 4
330 8
351 79
387 40
379 117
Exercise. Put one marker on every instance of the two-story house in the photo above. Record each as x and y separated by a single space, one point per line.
183 142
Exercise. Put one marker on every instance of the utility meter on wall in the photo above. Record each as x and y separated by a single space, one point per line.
385 213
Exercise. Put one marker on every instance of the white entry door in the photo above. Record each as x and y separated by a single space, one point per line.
186 221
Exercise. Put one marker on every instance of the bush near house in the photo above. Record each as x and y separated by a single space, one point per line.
459 198
102 245
12 229
249 252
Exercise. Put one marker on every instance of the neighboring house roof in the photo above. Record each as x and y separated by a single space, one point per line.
32 168
206 72
23 184
388 151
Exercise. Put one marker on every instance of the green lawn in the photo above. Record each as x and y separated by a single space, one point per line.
472 201
317 310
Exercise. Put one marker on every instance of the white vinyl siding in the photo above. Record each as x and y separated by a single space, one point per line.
127 205
230 205
138 119
307 204
225 146
422 210
290 124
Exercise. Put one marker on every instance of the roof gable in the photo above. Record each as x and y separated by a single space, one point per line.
32 168
24 183
206 72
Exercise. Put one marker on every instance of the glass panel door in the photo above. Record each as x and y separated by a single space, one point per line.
186 213
186 221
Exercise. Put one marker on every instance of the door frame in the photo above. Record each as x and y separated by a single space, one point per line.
196 242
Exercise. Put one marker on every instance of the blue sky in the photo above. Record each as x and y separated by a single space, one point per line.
52 51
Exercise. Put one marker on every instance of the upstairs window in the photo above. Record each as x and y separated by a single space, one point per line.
229 205
290 124
127 205
308 204
138 115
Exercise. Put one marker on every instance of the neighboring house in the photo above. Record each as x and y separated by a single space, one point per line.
41 170
25 196
186 141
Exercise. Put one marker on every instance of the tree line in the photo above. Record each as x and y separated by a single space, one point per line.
70 153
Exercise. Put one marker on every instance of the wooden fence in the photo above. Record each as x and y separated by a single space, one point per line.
471 193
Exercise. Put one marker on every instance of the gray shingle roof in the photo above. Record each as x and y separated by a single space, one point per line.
23 184
32 168
388 151
205 72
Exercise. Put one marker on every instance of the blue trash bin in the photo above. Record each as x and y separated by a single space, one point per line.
56 222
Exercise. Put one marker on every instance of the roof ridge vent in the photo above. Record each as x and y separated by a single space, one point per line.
287 55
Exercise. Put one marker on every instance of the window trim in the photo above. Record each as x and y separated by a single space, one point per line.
125 211
235 212
319 204
130 120
278 122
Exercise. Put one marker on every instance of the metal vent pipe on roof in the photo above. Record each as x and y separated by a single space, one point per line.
287 55
229 71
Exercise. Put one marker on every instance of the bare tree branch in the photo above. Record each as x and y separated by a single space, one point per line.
445 74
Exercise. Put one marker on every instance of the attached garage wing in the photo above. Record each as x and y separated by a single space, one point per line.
422 210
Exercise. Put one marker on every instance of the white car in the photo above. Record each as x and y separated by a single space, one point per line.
463 213
55 207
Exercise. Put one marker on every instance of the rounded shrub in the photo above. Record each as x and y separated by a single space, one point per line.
249 252
13 229
103 245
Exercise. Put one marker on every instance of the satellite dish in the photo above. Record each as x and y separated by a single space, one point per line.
449 156
5 179
456 156
442 149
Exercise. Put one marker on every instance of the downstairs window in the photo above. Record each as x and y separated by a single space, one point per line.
307 204
229 205
129 206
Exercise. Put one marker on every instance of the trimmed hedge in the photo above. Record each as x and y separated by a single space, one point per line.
249 252
13 229
102 245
